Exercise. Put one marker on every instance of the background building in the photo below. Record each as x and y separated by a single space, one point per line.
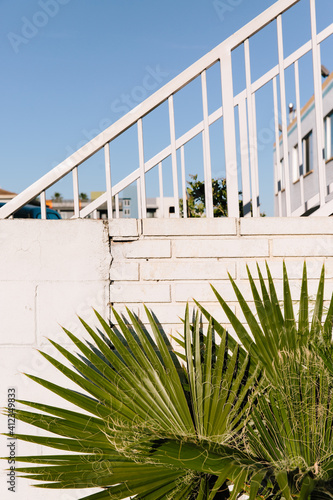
6 195
125 206
303 165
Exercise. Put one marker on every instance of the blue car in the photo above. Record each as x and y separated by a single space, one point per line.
34 212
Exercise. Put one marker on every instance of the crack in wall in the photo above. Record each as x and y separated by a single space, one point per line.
109 238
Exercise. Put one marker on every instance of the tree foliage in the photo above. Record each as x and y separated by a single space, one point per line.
195 198
57 197
159 424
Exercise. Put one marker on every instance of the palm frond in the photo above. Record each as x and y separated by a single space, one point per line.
258 414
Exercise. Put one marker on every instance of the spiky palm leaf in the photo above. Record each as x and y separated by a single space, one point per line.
289 428
162 431
275 328
153 429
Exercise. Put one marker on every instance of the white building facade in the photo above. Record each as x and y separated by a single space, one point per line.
302 159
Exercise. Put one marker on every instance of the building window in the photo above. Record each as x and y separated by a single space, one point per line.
307 153
127 212
171 210
126 203
283 181
328 124
151 213
295 163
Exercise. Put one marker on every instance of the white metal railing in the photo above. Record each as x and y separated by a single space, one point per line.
245 101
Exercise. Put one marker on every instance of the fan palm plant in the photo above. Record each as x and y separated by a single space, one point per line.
289 426
160 425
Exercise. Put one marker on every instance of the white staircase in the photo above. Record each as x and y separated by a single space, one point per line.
244 101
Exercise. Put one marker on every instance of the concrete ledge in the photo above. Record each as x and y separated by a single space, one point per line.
286 225
40 250
190 227
120 229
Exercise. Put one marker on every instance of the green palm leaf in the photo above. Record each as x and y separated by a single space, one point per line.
257 415
146 417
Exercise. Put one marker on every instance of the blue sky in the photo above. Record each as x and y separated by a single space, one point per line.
72 67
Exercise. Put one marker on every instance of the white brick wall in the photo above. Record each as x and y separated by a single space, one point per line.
221 247
187 269
140 292
190 227
303 247
196 252
51 271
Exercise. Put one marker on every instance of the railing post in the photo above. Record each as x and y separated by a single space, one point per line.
278 176
229 133
160 182
284 115
318 100
138 192
108 180
252 133
43 204
174 155
206 150
117 205
142 171
299 134
182 164
244 151
76 192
